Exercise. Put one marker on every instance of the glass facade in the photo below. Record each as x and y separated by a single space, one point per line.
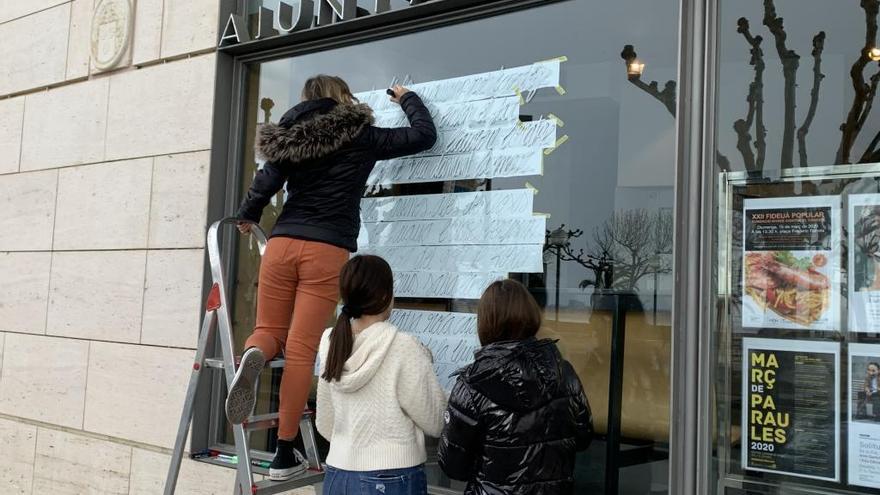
743 284
591 166
794 321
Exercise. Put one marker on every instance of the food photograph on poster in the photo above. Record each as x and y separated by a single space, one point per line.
791 267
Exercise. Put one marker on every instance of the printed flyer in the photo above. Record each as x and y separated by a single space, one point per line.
864 415
791 407
791 263
864 262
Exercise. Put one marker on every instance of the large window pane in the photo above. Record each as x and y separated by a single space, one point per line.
585 155
791 366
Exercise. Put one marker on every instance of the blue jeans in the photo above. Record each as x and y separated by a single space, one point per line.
407 481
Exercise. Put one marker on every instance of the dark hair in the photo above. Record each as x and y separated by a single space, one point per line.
324 86
507 312
874 364
366 286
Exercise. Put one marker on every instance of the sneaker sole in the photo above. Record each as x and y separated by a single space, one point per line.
286 474
241 398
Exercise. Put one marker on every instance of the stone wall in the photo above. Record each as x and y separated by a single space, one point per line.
103 196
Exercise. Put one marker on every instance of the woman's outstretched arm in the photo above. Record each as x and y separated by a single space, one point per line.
268 181
395 142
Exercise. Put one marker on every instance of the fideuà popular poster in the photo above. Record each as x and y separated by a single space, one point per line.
864 262
791 407
791 263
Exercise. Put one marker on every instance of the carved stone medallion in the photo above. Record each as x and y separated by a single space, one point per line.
111 33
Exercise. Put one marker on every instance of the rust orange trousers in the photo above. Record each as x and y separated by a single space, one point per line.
297 293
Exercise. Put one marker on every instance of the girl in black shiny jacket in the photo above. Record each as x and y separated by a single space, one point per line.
518 415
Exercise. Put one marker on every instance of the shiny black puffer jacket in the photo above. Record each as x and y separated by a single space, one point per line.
325 152
515 420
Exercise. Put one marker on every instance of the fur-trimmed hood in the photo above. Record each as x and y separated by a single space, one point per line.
312 130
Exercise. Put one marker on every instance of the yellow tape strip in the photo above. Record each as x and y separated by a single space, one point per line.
522 101
533 188
560 90
556 145
538 214
520 124
560 59
556 119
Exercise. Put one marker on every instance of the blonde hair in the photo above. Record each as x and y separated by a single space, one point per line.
324 86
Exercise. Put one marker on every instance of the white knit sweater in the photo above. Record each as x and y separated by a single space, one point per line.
377 415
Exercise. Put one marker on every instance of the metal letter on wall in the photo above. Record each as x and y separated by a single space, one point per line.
382 6
332 10
287 23
264 23
235 31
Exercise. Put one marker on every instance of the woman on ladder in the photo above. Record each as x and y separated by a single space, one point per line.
324 148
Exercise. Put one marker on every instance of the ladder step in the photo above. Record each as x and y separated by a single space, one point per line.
218 363
270 420
261 422
267 487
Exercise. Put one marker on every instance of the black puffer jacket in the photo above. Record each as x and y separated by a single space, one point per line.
325 152
515 420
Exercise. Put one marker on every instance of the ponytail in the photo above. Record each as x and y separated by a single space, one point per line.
366 285
341 343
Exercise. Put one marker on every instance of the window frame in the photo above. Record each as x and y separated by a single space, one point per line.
691 372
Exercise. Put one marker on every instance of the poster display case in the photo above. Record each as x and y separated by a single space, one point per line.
796 318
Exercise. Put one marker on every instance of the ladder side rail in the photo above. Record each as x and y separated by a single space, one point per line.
244 477
310 443
206 336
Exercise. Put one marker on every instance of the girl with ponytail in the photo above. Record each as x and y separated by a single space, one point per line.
378 395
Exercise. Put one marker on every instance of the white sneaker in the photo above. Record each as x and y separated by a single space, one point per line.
242 395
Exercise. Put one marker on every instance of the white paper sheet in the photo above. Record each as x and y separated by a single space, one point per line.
514 258
435 323
514 162
494 84
497 204
468 114
453 231
451 337
535 134
443 285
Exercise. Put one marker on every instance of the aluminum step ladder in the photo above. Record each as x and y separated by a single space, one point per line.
217 316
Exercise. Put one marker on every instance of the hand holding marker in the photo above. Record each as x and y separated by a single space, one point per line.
396 92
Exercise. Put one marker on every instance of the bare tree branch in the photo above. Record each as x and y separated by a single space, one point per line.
818 47
633 241
790 62
856 116
870 152
872 155
872 91
722 161
666 96
755 99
